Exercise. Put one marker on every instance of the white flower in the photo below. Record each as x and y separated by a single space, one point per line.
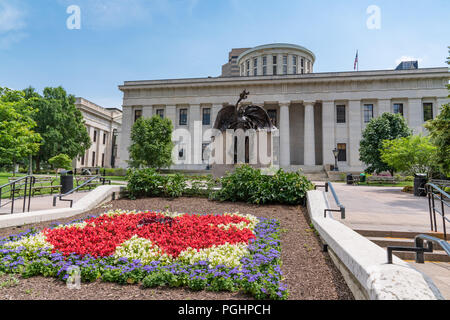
30 243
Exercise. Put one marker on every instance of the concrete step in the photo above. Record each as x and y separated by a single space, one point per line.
398 234
436 255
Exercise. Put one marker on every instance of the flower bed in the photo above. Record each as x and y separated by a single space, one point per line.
229 252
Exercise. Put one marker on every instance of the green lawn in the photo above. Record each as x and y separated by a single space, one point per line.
44 191
116 178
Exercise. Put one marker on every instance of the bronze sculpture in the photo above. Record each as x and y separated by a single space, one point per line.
245 118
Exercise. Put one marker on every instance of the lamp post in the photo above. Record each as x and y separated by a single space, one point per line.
335 153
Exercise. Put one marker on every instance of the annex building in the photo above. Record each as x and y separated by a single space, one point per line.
314 113
103 126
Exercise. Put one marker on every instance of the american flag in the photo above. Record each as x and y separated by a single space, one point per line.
356 61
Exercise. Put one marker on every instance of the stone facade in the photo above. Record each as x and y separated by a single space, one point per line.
104 127
314 112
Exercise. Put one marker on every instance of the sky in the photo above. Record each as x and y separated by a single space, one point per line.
42 43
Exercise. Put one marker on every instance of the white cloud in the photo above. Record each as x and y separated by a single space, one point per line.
12 22
11 17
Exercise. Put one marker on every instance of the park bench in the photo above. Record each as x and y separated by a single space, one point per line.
45 183
40 184
356 179
381 179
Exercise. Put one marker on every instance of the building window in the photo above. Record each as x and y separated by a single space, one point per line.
103 160
248 67
183 117
342 155
273 116
294 65
206 117
255 66
82 160
95 136
368 113
427 111
398 108
285 61
275 69
264 65
94 164
137 115
340 114
302 65
160 112
104 138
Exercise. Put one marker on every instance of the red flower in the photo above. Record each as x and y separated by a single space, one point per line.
198 232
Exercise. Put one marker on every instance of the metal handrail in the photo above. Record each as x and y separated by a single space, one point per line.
329 186
60 196
419 248
28 183
436 193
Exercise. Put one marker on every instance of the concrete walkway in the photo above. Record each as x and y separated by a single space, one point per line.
382 208
42 203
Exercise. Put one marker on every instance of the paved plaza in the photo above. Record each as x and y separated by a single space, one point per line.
382 208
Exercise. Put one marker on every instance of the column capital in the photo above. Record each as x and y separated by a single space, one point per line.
309 102
284 104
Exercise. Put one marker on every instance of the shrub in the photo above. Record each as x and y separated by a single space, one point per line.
250 185
117 172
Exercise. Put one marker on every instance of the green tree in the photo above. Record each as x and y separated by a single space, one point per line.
387 127
17 138
439 129
61 161
60 124
151 143
411 155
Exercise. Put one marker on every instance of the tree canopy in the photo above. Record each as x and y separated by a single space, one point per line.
59 122
151 143
387 127
17 136
411 155
439 129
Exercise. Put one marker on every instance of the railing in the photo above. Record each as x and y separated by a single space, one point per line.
329 186
14 188
436 194
420 249
61 196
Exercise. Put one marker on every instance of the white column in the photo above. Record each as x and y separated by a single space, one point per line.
125 136
147 111
195 128
354 131
285 145
384 105
415 115
328 131
310 141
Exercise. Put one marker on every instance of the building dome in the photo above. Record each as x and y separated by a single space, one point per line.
275 59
